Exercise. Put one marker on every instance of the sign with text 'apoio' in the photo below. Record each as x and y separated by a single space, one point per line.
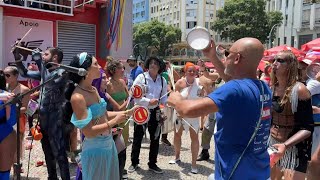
41 36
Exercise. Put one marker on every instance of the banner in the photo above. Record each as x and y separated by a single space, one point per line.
41 36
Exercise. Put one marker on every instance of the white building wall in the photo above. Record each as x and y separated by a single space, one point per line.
176 15
302 24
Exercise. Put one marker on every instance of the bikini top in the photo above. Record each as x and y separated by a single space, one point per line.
94 111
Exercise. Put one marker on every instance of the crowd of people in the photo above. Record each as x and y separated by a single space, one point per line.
245 112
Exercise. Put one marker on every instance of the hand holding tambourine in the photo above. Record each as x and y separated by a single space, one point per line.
137 91
139 114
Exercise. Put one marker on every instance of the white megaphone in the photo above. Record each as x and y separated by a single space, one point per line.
312 70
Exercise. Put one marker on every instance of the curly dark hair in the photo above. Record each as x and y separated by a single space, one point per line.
161 64
112 66
56 51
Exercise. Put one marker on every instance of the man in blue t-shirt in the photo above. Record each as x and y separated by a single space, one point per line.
240 104
135 71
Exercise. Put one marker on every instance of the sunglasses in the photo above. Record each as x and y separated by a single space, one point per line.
279 60
227 52
7 75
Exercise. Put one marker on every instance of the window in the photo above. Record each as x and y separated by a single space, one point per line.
206 25
174 15
191 24
292 41
207 13
284 40
278 41
178 15
286 20
318 35
151 9
178 25
191 13
142 13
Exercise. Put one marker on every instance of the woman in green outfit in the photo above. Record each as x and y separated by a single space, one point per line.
118 90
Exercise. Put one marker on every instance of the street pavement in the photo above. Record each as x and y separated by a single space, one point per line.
166 153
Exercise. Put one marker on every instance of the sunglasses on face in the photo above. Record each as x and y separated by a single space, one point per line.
228 52
279 60
7 75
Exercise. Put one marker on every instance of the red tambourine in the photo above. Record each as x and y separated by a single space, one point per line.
141 115
137 91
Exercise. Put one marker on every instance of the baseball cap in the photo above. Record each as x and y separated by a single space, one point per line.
132 57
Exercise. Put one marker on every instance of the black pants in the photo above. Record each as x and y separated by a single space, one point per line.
137 139
53 143
122 156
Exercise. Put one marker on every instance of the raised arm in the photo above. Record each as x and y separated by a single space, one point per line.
211 53
23 71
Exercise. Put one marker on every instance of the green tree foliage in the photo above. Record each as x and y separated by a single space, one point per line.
245 18
155 34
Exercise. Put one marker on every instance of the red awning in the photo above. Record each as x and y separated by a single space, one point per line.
273 51
312 45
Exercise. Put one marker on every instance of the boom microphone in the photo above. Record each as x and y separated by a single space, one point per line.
79 71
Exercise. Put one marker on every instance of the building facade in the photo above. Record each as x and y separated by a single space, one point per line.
301 21
140 11
185 14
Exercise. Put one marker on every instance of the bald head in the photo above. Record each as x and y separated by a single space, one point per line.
251 52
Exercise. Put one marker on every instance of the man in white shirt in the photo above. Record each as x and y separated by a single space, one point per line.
156 87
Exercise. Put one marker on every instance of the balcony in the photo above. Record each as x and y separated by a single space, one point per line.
62 7
317 23
305 23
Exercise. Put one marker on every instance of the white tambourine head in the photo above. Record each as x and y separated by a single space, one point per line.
312 70
198 38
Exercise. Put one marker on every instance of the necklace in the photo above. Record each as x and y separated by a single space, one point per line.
188 84
88 90
13 88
